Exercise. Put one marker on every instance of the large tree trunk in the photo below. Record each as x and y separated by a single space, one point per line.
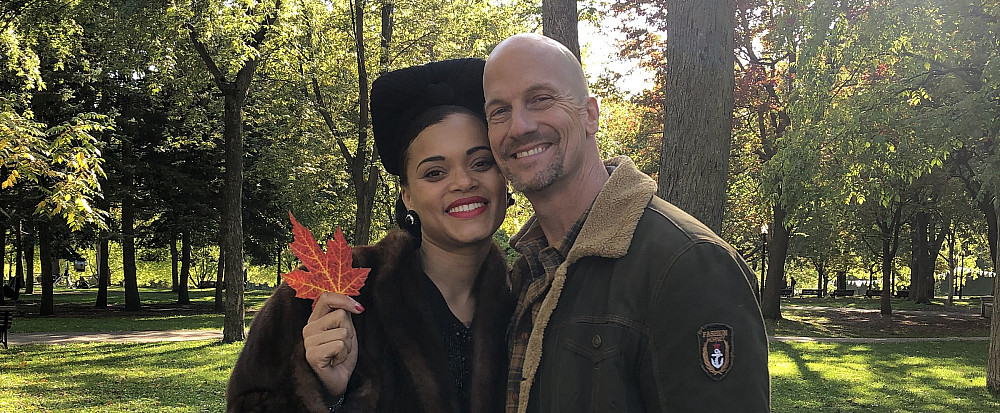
777 250
560 22
182 285
128 231
929 238
103 271
29 258
697 122
234 325
993 365
48 266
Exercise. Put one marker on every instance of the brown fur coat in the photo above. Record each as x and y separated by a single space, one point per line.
402 365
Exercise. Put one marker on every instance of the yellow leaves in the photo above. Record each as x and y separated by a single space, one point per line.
11 180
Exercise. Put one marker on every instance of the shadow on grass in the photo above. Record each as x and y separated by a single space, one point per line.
897 377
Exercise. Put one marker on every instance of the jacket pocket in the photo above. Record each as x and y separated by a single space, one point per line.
591 373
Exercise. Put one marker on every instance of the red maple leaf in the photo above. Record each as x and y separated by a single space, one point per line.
327 271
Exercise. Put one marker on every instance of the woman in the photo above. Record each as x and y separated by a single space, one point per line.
426 334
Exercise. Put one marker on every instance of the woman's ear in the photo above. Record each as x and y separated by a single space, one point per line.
404 193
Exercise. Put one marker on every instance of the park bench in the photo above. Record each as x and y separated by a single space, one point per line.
787 292
6 319
986 306
902 293
812 291
871 292
842 293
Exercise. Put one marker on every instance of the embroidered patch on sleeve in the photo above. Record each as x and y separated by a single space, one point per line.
715 345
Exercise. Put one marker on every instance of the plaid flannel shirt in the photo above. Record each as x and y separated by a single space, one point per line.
542 261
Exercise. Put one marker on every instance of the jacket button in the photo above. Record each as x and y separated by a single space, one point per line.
596 341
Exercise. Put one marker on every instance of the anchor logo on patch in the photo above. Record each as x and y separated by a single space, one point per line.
715 342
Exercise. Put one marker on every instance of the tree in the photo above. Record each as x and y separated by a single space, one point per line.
560 21
697 123
235 94
993 362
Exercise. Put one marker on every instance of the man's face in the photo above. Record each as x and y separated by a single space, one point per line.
537 122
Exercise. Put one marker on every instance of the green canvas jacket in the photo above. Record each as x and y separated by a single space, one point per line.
650 312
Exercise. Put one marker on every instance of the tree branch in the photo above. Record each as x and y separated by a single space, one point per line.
220 79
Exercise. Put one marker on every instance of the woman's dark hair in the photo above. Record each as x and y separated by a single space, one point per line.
428 118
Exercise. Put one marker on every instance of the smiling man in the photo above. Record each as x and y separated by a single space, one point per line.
625 302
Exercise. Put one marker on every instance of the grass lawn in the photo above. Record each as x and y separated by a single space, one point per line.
191 377
162 377
874 303
893 377
74 311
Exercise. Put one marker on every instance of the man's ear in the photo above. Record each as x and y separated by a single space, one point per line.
593 116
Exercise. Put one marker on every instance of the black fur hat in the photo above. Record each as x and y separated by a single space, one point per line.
400 96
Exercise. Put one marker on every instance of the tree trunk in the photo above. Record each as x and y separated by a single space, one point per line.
185 275
560 22
887 258
234 327
697 123
173 262
48 266
103 271
128 230
952 266
3 261
29 259
992 228
19 260
777 247
914 261
362 186
220 277
234 95
993 364
821 279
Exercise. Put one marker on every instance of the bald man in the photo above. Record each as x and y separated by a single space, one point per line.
625 302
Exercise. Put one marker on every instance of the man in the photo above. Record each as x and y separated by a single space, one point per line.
625 302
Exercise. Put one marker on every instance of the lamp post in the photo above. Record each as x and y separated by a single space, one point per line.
763 259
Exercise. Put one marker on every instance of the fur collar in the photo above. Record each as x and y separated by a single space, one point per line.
402 319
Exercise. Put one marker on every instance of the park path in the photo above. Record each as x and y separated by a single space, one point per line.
18 339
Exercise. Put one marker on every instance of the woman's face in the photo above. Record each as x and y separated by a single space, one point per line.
454 184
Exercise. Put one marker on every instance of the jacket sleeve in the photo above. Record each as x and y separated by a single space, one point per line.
703 303
271 373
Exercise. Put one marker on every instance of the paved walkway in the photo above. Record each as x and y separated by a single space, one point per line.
17 339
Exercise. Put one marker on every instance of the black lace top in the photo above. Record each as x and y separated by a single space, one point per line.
457 341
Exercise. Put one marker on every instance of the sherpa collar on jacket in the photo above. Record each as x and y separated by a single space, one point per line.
612 219
607 232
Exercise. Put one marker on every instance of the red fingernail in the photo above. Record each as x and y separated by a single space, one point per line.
359 307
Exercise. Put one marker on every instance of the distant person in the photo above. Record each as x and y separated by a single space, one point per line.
427 332
625 302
